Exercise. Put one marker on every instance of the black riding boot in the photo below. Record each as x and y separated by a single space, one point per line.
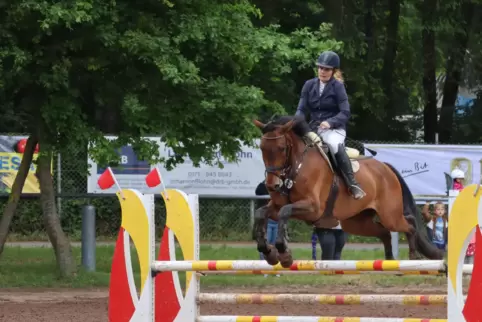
344 165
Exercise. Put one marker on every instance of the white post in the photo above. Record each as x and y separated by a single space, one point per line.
395 245
194 206
149 204
452 196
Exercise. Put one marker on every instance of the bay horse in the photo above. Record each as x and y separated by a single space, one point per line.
304 184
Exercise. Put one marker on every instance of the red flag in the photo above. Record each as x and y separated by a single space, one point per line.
153 179
106 179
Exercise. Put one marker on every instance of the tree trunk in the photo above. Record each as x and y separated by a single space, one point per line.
60 242
369 7
390 56
454 69
334 10
429 69
16 192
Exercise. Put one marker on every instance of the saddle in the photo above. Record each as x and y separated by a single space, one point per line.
353 154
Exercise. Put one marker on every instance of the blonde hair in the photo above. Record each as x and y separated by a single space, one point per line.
441 205
337 74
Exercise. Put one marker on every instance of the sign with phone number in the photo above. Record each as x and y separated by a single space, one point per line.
235 179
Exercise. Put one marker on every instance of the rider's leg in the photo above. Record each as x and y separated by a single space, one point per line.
335 140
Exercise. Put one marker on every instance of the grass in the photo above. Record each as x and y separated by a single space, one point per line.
36 268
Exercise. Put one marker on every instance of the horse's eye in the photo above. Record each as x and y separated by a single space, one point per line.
281 148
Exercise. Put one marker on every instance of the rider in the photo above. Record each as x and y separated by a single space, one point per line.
324 99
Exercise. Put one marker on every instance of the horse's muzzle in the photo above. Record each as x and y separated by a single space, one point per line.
274 183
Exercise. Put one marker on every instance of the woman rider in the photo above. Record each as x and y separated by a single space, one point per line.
324 99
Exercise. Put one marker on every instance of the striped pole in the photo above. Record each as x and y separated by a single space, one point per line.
467 270
332 299
234 318
281 272
303 265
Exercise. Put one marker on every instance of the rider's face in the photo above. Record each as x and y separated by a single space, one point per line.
324 73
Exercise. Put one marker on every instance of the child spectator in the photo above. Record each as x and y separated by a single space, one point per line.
458 177
469 254
438 223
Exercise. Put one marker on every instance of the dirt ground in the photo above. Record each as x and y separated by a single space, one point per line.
51 305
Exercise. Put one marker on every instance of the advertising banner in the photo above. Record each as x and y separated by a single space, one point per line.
235 179
10 158
422 166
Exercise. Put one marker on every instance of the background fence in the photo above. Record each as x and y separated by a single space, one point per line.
221 219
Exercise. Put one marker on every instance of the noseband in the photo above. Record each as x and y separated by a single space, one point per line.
286 175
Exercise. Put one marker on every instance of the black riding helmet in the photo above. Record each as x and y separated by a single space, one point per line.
328 59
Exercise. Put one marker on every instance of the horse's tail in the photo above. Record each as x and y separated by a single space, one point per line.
424 246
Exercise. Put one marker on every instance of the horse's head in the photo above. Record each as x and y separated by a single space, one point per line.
276 147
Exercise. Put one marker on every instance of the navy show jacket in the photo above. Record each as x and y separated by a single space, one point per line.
332 106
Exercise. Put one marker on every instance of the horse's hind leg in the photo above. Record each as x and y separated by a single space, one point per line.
259 234
412 239
392 218
363 224
386 239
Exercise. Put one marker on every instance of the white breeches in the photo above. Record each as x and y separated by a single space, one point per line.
332 137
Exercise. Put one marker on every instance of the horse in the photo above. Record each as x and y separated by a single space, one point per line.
304 184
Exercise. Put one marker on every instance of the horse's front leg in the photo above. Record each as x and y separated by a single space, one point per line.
259 234
300 209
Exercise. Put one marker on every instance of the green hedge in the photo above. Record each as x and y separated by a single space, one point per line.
220 220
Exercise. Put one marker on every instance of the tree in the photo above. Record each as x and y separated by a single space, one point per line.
16 192
455 64
429 69
183 71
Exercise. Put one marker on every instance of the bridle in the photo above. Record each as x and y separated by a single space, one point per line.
286 173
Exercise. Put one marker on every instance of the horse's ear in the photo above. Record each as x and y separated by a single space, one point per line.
285 128
259 124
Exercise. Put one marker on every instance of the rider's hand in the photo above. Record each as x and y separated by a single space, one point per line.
325 125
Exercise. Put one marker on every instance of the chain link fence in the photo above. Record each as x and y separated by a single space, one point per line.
220 219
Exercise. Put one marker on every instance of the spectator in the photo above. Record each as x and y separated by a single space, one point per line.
272 226
331 241
469 254
314 240
437 222
458 177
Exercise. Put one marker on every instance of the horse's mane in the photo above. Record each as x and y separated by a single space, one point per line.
300 127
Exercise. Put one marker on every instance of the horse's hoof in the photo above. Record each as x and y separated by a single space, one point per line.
286 259
271 257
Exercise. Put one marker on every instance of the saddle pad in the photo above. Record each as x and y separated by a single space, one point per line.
355 165
352 153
